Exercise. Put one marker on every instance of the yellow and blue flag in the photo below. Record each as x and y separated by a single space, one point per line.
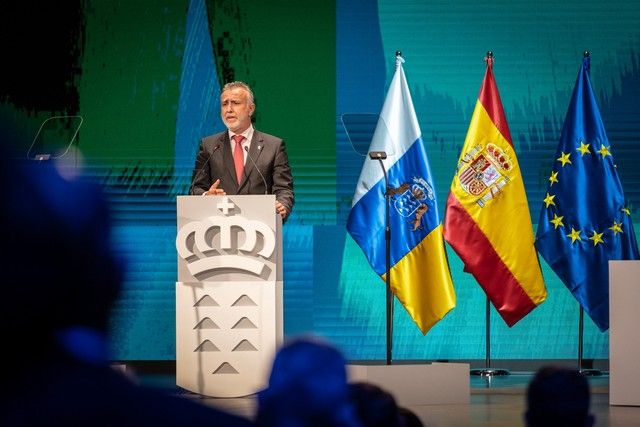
420 276
585 221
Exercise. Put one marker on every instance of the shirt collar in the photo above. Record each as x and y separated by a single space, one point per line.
248 134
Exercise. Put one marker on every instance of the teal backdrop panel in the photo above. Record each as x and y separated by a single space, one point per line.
145 76
538 49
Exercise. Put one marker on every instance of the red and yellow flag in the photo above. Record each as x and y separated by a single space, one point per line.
487 220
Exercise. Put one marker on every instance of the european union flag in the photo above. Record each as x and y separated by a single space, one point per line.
584 221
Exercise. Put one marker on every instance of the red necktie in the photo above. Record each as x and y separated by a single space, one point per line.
238 157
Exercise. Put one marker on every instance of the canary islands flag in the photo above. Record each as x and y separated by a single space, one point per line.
420 276
487 219
584 221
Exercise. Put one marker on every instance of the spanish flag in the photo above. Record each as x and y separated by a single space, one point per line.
487 219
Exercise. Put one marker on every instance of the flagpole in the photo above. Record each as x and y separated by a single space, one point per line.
380 156
488 371
387 238
587 372
406 166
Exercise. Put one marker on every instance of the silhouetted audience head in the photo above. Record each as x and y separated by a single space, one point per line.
558 397
307 387
375 406
58 268
60 279
409 418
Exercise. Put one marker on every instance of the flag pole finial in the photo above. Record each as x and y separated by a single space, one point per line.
586 60
488 59
399 59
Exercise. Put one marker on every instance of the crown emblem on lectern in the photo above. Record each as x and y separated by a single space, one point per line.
225 242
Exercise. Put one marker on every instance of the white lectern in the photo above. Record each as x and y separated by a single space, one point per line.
624 340
228 293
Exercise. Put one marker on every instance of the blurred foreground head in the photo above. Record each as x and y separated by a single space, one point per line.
58 270
558 397
375 406
307 387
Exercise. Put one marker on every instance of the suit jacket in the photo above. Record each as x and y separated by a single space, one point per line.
270 174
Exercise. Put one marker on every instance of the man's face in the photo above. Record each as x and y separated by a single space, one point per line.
236 110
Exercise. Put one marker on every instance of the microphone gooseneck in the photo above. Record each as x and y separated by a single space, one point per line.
197 175
258 170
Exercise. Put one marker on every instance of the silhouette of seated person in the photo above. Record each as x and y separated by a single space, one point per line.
409 418
307 387
377 407
60 280
558 397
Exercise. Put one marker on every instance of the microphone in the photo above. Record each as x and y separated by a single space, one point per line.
380 155
197 175
256 167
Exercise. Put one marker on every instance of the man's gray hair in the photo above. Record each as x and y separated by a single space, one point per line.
241 85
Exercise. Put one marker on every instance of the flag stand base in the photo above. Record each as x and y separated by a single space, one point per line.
435 383
587 372
489 372
591 372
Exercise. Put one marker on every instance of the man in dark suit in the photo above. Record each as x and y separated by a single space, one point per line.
243 160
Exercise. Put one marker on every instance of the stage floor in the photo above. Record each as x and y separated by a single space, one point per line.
495 401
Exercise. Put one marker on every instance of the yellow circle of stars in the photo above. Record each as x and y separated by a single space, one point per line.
557 221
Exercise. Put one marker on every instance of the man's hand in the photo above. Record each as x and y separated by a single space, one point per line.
281 210
214 190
